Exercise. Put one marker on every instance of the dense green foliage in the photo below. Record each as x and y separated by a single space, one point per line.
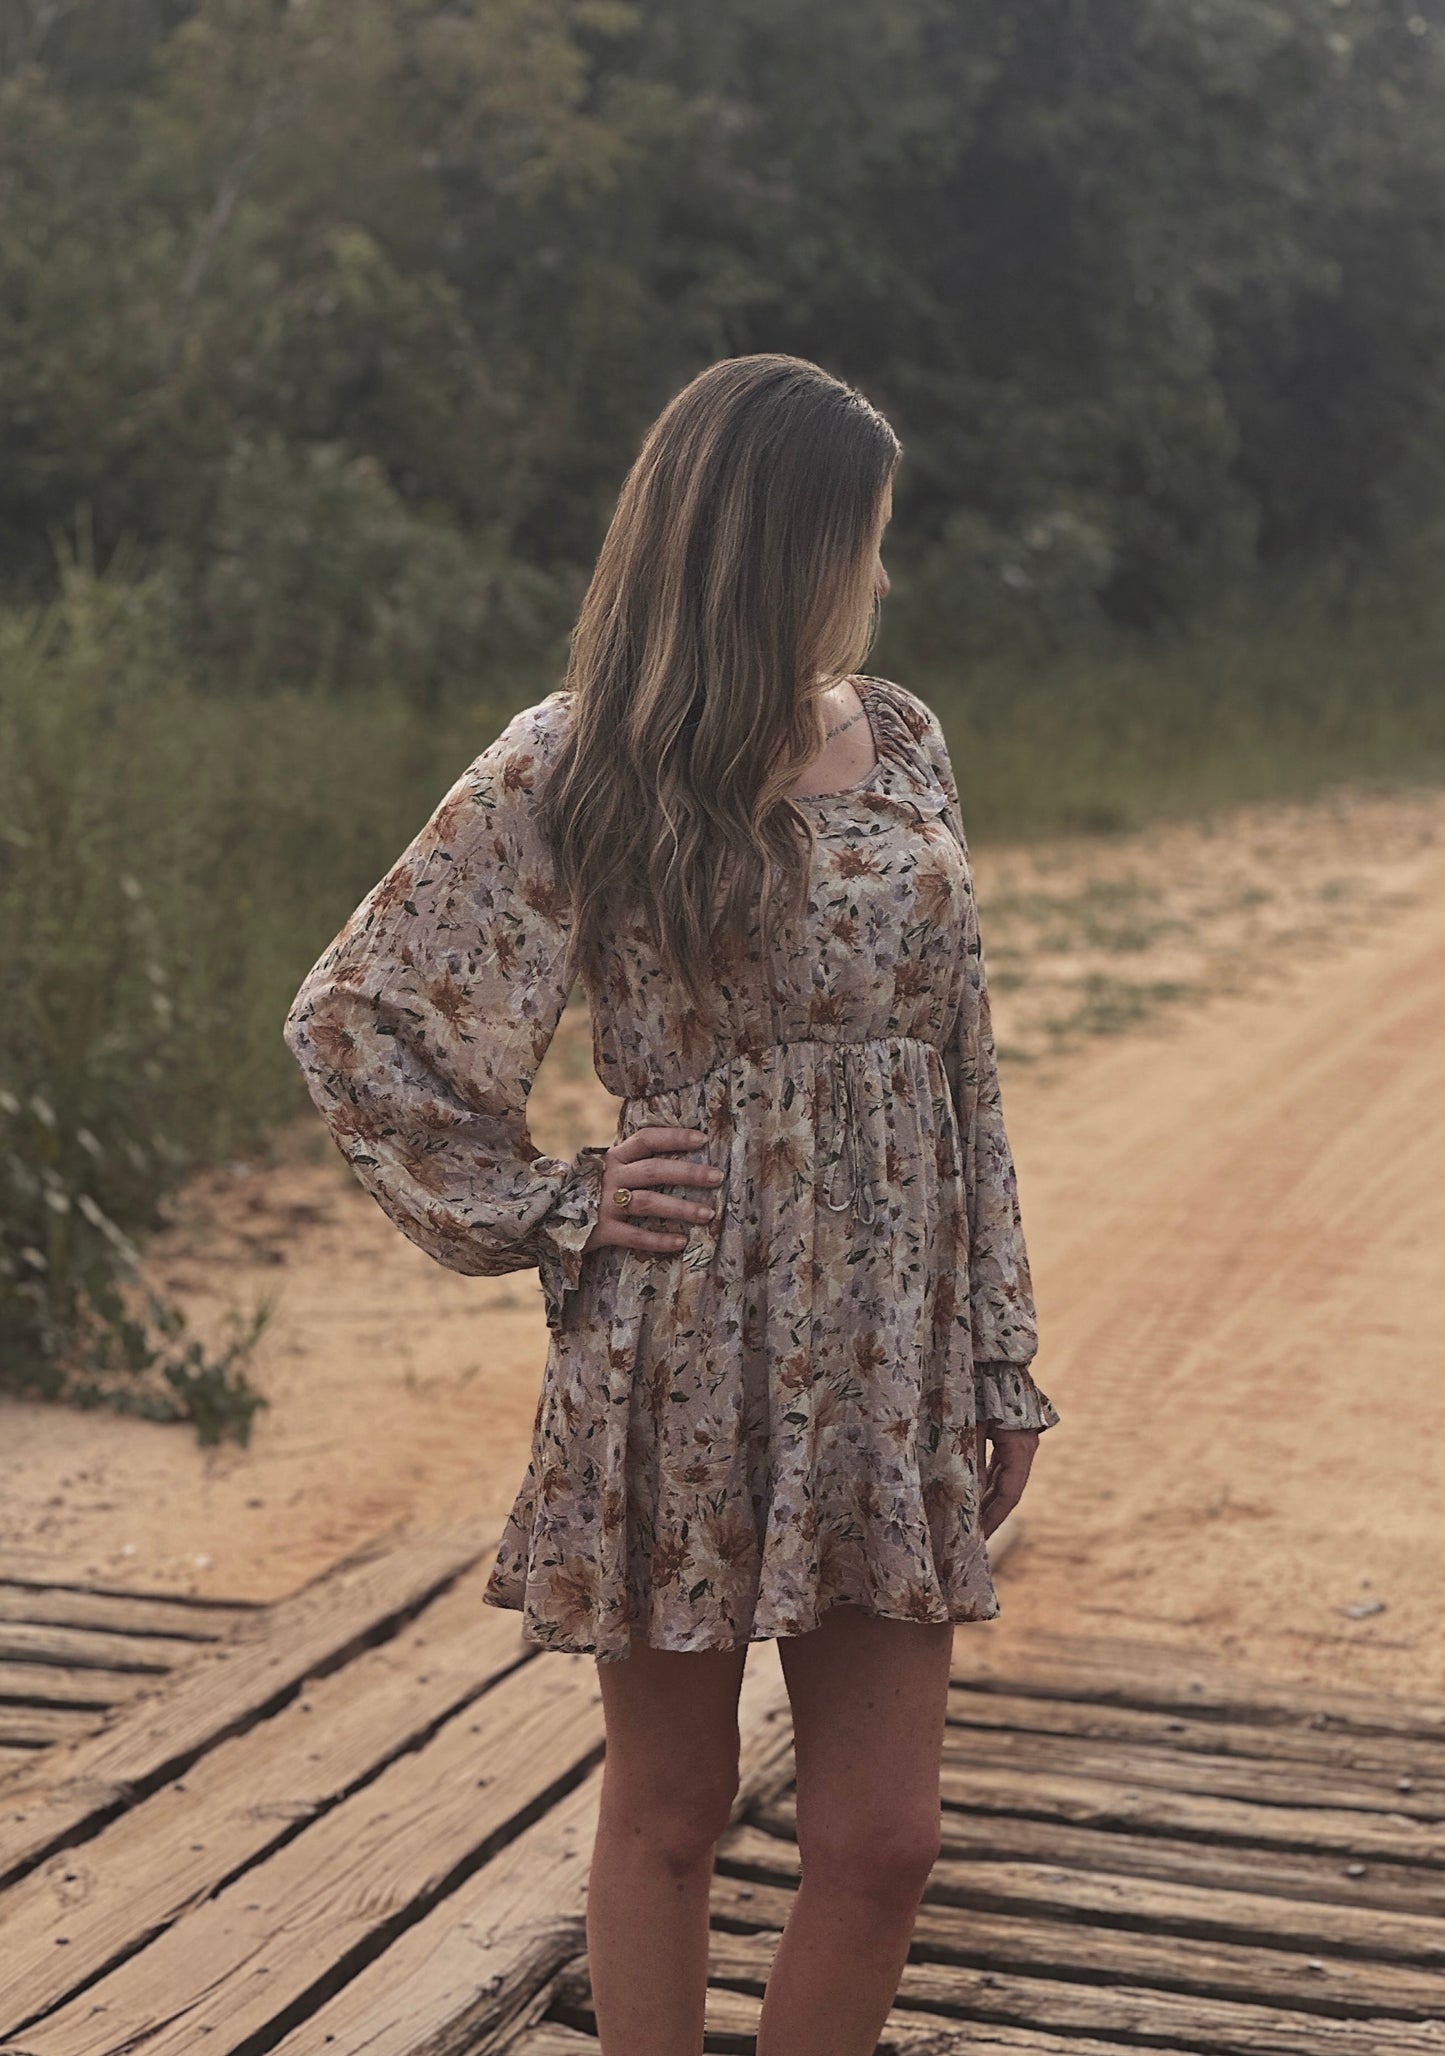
328 329
351 312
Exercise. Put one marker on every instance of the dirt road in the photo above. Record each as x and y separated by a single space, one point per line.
1239 1231
1236 1211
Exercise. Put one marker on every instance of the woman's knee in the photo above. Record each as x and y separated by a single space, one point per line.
677 1817
888 1861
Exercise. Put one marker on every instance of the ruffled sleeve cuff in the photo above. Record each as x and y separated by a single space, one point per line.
568 1223
1007 1397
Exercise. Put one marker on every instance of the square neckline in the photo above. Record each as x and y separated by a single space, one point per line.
864 688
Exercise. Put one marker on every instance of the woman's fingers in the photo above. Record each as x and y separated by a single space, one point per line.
644 1142
647 1201
643 1172
662 1170
1008 1472
618 1226
633 1163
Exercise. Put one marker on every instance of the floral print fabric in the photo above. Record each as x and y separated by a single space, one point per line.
780 1416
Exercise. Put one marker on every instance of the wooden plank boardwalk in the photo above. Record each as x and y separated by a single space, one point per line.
71 1652
360 1826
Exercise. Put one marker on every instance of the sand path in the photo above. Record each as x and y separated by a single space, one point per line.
1238 1228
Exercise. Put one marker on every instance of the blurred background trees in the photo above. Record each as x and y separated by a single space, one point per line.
328 329
351 311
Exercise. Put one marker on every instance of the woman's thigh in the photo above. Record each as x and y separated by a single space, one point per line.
672 1730
869 1697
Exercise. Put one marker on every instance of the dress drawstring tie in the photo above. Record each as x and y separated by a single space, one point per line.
846 1097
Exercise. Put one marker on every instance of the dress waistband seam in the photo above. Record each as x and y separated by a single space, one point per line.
789 1042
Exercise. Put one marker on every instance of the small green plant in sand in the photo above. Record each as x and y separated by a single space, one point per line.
78 1322
1109 1006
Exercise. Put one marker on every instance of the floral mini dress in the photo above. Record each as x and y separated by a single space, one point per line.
782 1415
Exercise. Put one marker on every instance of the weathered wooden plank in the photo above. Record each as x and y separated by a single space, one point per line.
143 1869
735 2008
1122 1672
738 2013
988 2038
993 2038
41 1727
1123 1804
1223 2027
36 1642
1383 1755
44 1567
552 2040
765 1729
1221 1866
1053 1891
734 2012
1261 1781
456 1983
225 1688
57 1684
1063 1947
124 1613
226 1972
459 1980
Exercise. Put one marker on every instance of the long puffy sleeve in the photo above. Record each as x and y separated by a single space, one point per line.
1001 1303
421 1027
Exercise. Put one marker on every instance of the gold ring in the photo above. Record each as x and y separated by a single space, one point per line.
622 1197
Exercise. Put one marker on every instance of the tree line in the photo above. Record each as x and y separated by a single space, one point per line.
349 313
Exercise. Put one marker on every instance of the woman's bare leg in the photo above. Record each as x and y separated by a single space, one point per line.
669 1779
868 1698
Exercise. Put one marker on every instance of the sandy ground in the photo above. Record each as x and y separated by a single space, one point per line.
1225 1079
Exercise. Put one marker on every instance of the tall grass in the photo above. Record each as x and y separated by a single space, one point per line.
1278 703
170 861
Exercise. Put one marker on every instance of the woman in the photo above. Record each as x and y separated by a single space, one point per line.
789 1304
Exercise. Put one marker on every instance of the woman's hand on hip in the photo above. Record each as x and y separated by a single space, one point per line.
636 1166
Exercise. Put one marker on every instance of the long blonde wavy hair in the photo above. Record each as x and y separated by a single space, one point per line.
734 586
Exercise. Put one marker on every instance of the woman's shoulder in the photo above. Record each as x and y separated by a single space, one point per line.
497 791
522 749
914 712
541 727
